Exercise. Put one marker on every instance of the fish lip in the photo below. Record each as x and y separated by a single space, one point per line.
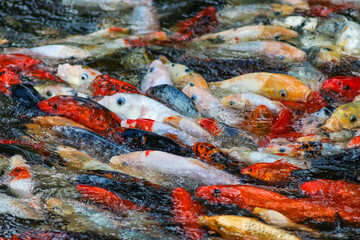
308 96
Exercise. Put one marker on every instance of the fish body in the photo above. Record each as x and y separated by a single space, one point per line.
275 218
7 79
78 77
175 99
246 13
18 208
144 20
170 170
140 140
133 106
162 129
94 144
247 34
250 157
209 104
186 212
55 51
104 85
157 74
190 127
107 5
349 37
272 50
250 197
249 101
272 173
215 157
81 110
271 85
237 227
344 117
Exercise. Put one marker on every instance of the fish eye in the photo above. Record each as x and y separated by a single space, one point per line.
49 93
352 118
84 76
277 37
193 97
191 84
152 69
216 192
282 93
120 101
281 57
346 87
232 103
282 150
277 13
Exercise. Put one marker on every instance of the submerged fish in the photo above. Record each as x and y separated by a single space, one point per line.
271 85
170 170
237 227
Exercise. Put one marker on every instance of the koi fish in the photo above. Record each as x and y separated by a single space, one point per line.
55 51
190 127
186 212
105 198
272 173
78 77
209 105
50 90
175 99
270 85
344 117
342 88
133 106
144 20
237 227
161 129
182 75
249 101
104 85
271 50
275 218
81 110
250 197
189 172
157 74
140 140
246 13
215 157
18 208
247 34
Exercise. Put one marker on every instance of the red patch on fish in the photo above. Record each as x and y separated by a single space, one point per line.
342 88
105 197
282 122
211 125
272 173
7 79
84 111
20 173
204 22
186 212
104 85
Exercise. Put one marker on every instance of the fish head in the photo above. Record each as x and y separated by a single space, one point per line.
325 56
344 117
124 105
342 88
56 90
77 75
251 171
286 88
59 207
202 97
282 10
233 101
157 74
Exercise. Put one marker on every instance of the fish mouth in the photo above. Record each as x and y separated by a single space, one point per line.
332 125
308 96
